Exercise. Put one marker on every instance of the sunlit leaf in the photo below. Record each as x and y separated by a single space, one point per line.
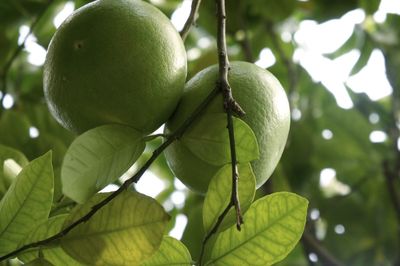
27 203
128 230
171 252
209 140
273 226
97 158
53 253
219 194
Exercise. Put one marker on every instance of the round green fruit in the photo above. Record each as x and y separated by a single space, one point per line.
115 62
263 99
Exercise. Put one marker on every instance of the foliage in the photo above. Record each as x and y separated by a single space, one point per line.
33 205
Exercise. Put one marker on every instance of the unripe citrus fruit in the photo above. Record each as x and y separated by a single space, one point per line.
263 99
115 61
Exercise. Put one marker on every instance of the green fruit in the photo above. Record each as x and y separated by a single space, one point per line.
115 62
267 113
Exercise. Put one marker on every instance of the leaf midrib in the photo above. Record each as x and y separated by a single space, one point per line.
172 263
254 236
22 204
99 233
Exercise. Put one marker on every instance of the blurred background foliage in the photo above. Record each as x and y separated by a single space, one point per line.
339 62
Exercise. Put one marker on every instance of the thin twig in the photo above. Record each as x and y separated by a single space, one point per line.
309 243
231 107
323 254
245 42
390 176
213 230
391 168
174 136
307 250
20 47
191 19
290 67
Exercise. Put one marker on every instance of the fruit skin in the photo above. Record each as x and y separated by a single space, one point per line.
263 99
115 61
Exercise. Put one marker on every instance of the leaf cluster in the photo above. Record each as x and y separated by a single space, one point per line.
36 204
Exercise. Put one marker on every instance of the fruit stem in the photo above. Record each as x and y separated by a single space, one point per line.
290 67
191 19
213 230
231 107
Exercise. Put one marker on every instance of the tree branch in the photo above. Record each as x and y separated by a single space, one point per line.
245 42
174 136
391 167
312 244
20 47
213 230
231 107
191 19
290 67
390 176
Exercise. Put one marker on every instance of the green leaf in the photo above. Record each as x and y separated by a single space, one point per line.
39 262
7 153
272 227
219 194
208 139
171 252
97 158
126 231
53 253
27 203
194 232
